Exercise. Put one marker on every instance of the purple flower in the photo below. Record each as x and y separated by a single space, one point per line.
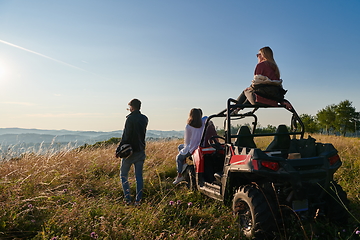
30 206
93 235
54 238
171 203
178 202
357 232
65 190
190 204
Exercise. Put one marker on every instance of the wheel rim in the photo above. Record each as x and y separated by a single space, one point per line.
242 209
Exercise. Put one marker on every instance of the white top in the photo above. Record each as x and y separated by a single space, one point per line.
192 138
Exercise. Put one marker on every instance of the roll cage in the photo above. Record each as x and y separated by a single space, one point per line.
296 125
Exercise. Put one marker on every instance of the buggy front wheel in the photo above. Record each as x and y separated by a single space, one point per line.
189 175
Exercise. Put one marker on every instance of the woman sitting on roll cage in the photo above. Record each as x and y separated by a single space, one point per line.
266 83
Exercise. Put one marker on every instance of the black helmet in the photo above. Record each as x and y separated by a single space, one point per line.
124 151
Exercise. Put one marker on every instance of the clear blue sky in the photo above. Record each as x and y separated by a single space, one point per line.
76 64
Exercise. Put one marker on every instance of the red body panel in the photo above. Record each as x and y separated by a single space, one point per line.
240 159
198 157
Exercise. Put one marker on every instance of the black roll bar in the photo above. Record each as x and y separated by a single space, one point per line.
233 105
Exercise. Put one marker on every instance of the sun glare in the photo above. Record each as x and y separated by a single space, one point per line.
4 73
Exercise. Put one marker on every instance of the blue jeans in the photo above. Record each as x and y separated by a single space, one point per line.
180 159
137 158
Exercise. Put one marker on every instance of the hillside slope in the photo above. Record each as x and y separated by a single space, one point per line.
77 195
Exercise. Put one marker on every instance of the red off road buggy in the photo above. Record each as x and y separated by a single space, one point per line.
292 175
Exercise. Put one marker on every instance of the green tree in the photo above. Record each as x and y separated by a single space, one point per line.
327 118
310 123
347 119
341 118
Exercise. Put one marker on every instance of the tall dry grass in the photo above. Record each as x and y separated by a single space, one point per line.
76 194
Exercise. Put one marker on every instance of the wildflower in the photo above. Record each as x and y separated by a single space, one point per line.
54 238
65 190
93 235
30 206
190 204
171 203
178 202
357 232
33 220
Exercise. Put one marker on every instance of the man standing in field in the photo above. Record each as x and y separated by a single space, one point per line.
133 134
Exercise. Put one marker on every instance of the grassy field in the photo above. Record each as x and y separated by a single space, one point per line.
77 195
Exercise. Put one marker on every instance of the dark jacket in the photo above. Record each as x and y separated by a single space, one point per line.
270 91
135 131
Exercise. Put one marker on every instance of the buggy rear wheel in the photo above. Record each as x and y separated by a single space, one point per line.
253 212
337 204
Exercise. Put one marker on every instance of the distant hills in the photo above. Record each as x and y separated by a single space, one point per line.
14 141
22 135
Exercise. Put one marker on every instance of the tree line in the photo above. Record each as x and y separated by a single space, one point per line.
338 119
